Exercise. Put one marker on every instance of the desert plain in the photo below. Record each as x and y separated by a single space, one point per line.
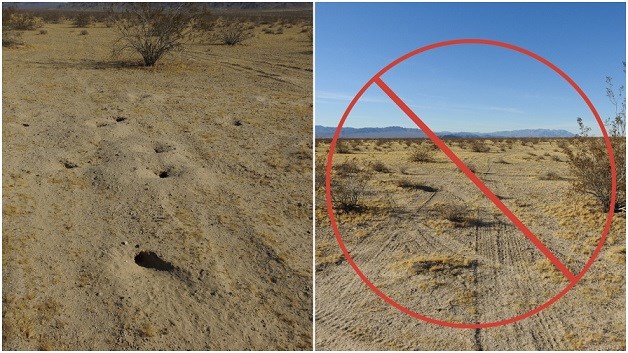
158 208
430 240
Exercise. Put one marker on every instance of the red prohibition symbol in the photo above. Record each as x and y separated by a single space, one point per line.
573 278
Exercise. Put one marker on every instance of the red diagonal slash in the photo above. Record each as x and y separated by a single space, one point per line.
522 227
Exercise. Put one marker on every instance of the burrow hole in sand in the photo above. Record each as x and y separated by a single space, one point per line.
149 259
163 148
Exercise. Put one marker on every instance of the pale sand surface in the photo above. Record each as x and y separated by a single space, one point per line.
408 248
204 160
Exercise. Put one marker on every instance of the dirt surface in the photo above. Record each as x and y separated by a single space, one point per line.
430 240
157 208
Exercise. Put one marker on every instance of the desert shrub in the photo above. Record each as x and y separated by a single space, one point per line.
43 31
455 213
319 174
342 146
423 153
479 146
381 167
51 16
11 39
22 21
82 20
234 34
589 161
348 186
84 32
153 30
460 215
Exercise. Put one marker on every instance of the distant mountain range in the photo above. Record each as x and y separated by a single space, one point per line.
402 132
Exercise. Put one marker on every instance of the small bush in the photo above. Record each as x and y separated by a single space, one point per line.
153 31
82 20
381 167
459 214
348 186
11 38
423 153
589 161
479 146
23 22
319 174
342 147
234 34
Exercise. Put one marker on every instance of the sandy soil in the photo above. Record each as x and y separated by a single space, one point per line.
201 166
434 243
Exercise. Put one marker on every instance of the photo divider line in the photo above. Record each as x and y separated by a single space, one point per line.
479 183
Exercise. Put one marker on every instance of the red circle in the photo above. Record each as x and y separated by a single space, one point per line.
389 300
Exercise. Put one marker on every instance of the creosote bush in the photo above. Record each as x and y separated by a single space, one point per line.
11 38
153 30
423 153
588 157
234 34
21 21
479 146
82 20
349 186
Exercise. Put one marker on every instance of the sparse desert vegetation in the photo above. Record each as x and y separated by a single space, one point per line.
429 239
156 207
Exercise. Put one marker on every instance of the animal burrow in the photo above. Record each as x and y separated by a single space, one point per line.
163 148
164 174
149 259
120 119
237 123
69 165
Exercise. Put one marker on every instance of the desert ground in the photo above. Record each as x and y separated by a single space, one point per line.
157 208
430 240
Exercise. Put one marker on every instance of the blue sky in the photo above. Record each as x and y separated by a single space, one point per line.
468 87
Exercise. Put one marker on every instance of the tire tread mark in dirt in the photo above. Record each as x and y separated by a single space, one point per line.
479 183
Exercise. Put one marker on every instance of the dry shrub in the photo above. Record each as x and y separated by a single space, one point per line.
153 30
479 146
381 167
22 21
348 186
460 215
343 147
82 20
423 153
589 161
11 38
319 174
234 34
